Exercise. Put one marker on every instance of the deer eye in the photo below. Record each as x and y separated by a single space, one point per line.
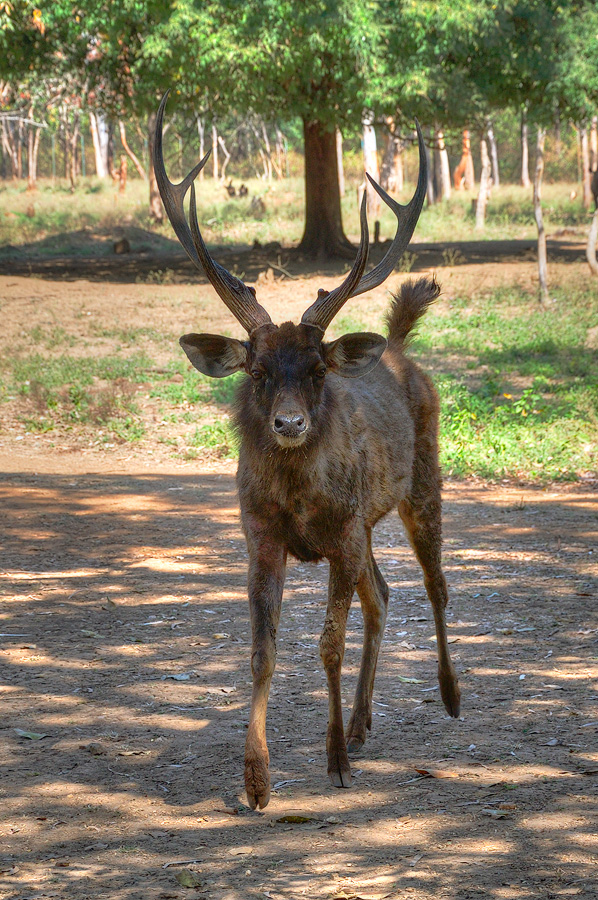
320 372
257 374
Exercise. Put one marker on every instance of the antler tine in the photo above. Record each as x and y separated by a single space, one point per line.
407 217
322 312
238 297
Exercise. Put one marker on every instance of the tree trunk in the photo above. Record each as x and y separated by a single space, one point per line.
392 174
32 139
323 235
201 130
339 162
542 260
493 155
591 245
8 142
214 153
74 140
584 144
594 144
524 151
370 162
464 175
129 152
155 203
93 125
222 146
20 149
441 167
484 192
430 189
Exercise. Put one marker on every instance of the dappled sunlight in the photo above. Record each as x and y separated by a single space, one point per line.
125 648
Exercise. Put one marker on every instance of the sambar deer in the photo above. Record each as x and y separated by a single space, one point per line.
333 436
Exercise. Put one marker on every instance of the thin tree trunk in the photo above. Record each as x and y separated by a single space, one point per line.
222 145
591 245
464 175
493 155
268 151
441 167
129 152
370 162
122 174
323 235
281 155
542 259
430 191
201 130
584 144
20 149
74 138
31 156
392 175
525 181
9 145
484 191
214 153
339 162
155 203
594 144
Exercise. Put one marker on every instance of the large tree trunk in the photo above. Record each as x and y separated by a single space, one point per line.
584 145
155 203
542 259
493 155
484 192
524 151
442 170
370 162
323 235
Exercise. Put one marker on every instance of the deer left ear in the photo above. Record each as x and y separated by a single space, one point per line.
213 354
354 355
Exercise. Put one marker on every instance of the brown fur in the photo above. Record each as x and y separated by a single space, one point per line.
371 447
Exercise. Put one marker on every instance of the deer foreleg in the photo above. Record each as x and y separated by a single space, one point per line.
344 575
267 563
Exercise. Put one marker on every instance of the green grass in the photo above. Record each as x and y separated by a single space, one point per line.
53 221
521 400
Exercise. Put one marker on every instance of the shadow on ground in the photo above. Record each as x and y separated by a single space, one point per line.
124 642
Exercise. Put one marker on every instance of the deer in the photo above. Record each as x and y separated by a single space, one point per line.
334 435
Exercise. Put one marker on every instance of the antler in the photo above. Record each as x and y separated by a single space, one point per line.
322 312
238 296
327 305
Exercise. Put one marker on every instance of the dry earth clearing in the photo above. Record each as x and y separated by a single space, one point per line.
124 646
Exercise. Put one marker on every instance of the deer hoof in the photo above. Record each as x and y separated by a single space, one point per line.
257 783
339 770
450 693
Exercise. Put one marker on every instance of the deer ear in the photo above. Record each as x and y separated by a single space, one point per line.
354 355
213 354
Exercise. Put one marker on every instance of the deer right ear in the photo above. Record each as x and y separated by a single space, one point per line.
213 354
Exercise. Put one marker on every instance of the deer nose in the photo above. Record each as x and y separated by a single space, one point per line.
289 425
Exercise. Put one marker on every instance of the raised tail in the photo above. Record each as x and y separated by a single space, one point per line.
407 307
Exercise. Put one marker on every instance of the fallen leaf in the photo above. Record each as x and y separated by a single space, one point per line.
437 773
187 878
494 813
30 735
297 819
410 680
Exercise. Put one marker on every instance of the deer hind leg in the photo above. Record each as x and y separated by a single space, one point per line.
421 516
373 594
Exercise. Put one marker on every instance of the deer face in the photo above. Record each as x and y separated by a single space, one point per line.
288 366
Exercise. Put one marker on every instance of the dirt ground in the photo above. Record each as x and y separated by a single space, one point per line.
124 640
